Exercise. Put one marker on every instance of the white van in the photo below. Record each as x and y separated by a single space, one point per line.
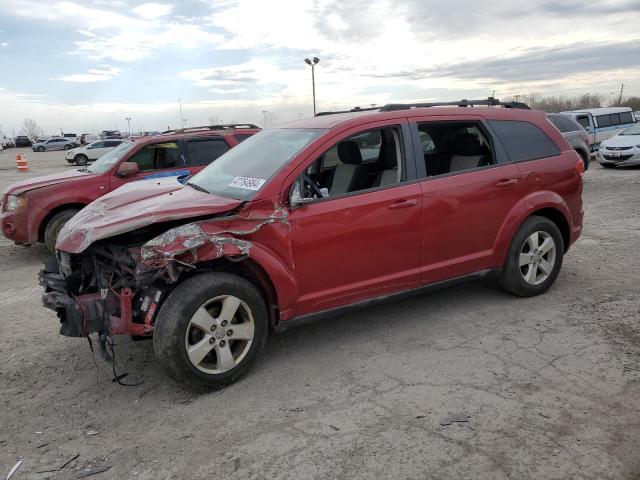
603 123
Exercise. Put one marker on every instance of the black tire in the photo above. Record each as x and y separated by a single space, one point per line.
608 165
585 158
54 226
170 332
81 159
68 147
40 149
511 279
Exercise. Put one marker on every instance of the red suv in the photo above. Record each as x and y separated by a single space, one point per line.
314 218
35 210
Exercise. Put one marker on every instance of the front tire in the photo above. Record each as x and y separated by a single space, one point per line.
81 160
54 226
40 149
210 330
534 258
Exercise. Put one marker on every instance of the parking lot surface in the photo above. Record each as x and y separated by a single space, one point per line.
466 382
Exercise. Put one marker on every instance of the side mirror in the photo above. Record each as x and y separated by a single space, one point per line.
127 169
295 198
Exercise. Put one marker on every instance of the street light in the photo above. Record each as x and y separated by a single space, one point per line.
264 118
128 119
312 64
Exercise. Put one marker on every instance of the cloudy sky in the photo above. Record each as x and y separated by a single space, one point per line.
86 65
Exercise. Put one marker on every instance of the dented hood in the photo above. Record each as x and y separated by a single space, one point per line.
45 181
136 205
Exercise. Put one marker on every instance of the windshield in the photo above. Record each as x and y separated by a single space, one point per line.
106 161
242 171
634 130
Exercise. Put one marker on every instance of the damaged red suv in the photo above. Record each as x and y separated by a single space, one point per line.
35 210
314 218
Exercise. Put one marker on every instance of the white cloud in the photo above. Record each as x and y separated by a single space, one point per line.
153 10
4 44
98 74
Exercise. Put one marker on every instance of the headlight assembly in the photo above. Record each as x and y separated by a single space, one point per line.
14 202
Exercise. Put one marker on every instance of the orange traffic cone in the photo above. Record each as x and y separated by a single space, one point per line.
21 163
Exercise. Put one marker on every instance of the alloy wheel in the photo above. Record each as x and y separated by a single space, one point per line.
537 258
219 334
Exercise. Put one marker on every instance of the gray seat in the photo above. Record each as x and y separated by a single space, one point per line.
468 153
350 175
389 157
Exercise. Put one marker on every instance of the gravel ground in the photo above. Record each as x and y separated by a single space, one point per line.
463 383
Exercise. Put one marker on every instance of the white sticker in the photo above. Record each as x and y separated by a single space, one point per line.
247 183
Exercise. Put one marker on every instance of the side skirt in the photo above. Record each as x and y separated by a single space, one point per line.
334 312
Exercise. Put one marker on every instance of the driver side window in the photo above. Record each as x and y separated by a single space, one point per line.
363 161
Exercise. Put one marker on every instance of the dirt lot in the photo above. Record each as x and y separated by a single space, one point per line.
547 387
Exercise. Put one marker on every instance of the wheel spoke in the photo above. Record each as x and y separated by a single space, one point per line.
530 276
203 319
242 331
547 245
225 358
525 259
546 266
229 308
535 241
200 350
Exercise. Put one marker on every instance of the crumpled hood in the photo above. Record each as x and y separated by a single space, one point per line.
622 141
136 205
45 181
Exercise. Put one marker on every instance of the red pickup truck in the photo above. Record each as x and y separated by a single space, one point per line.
35 210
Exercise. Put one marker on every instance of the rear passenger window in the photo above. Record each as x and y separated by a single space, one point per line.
524 140
454 147
241 137
157 157
203 152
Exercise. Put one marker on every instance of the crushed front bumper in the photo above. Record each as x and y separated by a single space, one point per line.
106 312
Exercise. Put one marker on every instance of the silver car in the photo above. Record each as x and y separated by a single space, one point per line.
53 144
621 150
575 134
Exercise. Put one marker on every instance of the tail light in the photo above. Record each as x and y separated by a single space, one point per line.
580 167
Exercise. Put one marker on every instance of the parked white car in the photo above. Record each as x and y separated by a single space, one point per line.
622 149
91 152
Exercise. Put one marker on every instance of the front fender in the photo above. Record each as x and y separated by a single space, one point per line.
522 210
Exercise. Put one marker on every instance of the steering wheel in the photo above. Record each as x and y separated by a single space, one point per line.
314 186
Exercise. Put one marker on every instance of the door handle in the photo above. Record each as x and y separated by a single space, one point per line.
403 204
507 182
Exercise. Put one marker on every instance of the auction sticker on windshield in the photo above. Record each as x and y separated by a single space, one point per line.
247 183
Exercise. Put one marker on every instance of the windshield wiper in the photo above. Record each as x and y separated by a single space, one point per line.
198 187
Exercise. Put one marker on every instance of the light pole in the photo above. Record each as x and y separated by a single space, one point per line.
312 63
128 119
264 118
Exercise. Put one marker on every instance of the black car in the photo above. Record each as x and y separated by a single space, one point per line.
23 141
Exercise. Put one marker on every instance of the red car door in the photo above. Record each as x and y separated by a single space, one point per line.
363 242
156 160
468 190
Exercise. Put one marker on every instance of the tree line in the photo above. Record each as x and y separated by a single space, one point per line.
558 103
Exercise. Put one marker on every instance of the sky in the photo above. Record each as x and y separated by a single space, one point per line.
85 66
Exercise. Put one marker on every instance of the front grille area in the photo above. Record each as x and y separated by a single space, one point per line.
617 159
618 149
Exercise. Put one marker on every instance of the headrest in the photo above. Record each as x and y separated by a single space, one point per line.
349 153
467 144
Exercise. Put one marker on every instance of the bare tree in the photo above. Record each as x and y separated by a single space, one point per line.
562 104
31 128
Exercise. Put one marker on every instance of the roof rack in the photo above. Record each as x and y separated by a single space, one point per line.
490 102
205 128
355 109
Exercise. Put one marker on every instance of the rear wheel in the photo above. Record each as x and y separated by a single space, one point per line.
54 226
40 149
210 330
585 158
67 147
81 159
534 258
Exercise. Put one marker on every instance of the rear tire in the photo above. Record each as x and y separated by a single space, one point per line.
585 158
534 258
194 340
81 159
40 149
54 226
